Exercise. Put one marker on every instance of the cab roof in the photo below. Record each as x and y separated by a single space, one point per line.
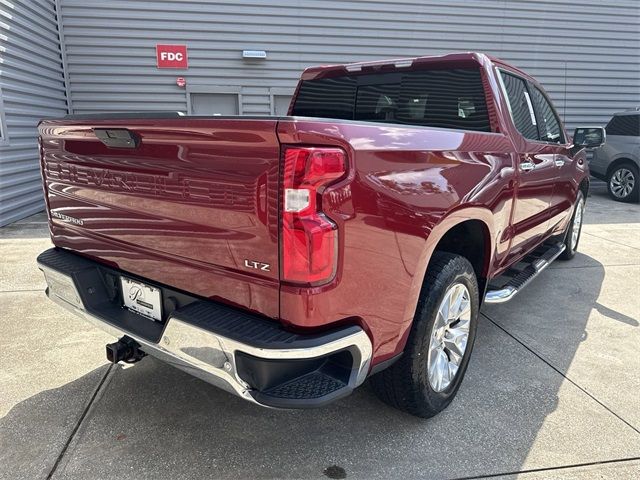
460 59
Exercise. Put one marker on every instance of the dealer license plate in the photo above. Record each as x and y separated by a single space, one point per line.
141 298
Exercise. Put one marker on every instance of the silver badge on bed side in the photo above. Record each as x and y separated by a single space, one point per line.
265 267
66 218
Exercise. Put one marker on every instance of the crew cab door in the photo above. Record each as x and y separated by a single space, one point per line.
551 132
536 170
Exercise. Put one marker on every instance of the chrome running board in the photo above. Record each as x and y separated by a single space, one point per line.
540 259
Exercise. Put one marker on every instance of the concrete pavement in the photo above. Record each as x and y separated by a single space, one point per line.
551 391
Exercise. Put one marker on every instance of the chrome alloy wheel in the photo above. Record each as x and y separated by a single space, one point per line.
622 182
449 336
577 224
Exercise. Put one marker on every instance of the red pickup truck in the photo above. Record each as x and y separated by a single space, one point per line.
288 259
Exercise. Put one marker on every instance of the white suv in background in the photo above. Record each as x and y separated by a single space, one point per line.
618 161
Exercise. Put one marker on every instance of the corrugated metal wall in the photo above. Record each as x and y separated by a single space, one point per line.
589 48
31 81
586 52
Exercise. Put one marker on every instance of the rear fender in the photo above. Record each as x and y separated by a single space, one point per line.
438 232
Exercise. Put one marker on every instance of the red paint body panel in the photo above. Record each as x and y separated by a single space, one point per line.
185 208
406 181
199 196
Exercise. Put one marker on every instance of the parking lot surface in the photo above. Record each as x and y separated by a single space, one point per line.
551 390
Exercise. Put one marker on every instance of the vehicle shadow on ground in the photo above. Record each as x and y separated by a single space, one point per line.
24 232
153 421
604 210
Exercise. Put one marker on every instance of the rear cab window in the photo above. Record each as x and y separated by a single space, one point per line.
449 98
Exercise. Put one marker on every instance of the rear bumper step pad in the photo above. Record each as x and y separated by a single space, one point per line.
245 354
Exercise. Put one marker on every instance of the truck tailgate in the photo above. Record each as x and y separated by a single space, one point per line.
188 202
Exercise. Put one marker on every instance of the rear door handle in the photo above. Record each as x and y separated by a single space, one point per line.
559 162
527 166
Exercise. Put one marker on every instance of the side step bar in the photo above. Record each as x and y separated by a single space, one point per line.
539 261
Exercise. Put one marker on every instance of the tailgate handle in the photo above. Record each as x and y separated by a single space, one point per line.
117 137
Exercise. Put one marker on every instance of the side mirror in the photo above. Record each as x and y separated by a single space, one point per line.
589 137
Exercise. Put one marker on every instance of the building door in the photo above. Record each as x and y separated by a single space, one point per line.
210 101
280 100
281 104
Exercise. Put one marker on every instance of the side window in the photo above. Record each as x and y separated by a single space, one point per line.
520 105
614 127
628 125
548 122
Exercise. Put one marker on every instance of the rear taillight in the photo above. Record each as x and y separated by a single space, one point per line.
309 238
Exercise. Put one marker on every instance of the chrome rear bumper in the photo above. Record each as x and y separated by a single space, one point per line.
231 363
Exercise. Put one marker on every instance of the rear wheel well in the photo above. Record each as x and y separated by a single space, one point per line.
584 187
469 239
616 163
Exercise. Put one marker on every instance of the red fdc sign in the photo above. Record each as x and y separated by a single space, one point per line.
171 56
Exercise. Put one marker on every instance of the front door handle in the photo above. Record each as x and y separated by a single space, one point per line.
527 166
559 162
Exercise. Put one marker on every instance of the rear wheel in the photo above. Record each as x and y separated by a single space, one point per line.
428 375
622 183
572 236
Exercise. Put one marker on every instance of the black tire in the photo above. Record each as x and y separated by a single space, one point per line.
630 172
570 247
405 385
